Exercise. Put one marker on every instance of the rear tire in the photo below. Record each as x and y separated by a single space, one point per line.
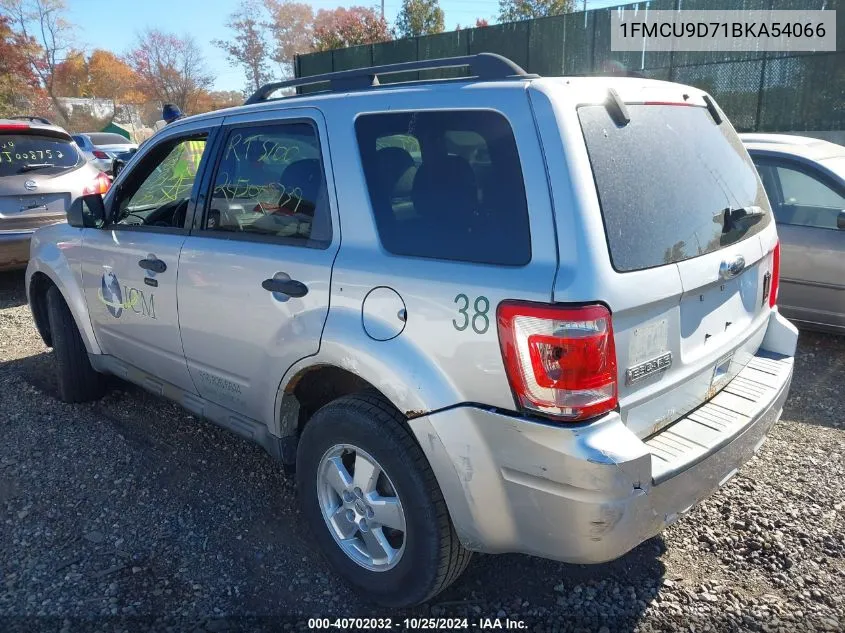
430 557
77 380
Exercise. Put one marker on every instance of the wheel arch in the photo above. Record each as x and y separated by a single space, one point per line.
37 289
394 369
304 393
50 267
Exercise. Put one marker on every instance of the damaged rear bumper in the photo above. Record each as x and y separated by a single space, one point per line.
14 249
590 494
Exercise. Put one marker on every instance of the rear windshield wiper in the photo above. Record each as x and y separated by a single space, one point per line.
32 166
732 218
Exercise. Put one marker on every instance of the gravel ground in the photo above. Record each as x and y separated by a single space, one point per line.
130 513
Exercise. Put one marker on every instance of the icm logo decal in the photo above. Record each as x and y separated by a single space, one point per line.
110 294
118 299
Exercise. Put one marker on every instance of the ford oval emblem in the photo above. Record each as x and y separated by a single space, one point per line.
30 185
731 268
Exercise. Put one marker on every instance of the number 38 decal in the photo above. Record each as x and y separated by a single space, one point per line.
477 317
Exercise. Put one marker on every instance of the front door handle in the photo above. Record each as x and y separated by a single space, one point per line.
289 287
153 265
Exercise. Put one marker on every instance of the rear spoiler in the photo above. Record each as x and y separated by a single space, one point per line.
19 127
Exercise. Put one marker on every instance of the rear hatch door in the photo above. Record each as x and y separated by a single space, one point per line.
38 175
682 208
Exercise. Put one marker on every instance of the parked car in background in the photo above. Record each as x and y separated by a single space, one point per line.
101 148
805 181
41 173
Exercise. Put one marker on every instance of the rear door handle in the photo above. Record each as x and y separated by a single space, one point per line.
153 265
289 287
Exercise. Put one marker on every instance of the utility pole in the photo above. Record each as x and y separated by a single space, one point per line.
382 8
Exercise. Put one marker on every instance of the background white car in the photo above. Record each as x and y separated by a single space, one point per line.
101 148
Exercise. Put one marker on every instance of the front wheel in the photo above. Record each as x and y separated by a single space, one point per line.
373 503
77 380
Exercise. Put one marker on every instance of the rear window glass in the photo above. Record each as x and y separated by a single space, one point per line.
668 183
446 185
21 153
107 138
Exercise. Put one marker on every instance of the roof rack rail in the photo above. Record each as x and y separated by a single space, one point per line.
487 66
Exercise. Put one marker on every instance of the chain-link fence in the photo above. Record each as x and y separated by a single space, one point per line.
760 91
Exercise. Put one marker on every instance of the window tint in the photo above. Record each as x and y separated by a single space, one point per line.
666 182
807 200
270 183
42 155
158 189
446 185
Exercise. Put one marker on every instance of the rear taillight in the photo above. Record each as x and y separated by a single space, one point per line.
100 185
561 362
775 284
98 153
11 127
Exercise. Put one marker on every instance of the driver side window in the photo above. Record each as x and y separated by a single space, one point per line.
159 189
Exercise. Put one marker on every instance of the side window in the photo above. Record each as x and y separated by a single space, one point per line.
270 184
806 199
446 185
159 188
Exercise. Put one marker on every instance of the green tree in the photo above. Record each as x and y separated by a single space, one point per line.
419 17
515 10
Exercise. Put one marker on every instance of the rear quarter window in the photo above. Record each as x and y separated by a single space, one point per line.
20 153
446 185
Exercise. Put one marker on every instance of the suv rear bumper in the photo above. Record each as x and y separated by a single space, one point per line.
590 494
14 249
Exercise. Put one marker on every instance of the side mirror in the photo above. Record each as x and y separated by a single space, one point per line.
840 220
117 166
87 212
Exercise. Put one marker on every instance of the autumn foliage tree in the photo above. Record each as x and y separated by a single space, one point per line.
341 27
43 23
110 77
217 99
169 69
103 75
248 46
19 86
515 10
70 77
419 17
291 29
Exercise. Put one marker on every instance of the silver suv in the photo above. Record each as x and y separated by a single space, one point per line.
501 313
41 173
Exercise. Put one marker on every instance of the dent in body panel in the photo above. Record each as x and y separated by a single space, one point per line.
507 468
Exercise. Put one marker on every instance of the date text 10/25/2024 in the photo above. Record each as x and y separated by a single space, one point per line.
416 624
